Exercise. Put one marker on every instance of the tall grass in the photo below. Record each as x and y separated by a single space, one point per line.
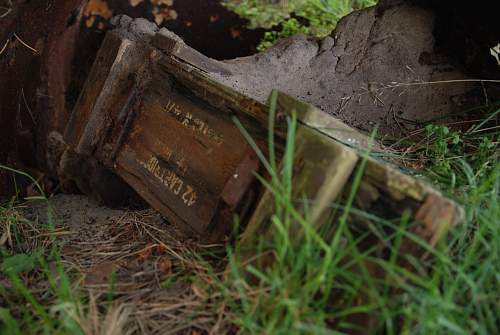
319 282
314 279
25 259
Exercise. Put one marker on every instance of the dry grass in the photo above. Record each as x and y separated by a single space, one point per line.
136 272
5 8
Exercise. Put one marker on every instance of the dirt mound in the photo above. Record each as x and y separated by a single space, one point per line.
372 71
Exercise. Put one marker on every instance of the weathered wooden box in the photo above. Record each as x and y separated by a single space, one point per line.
152 113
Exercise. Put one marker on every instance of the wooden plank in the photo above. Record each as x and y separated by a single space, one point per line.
324 123
173 46
106 92
385 191
190 155
90 93
322 167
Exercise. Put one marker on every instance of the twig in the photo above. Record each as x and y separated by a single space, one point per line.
485 92
495 81
371 89
484 129
27 106
24 43
4 46
7 12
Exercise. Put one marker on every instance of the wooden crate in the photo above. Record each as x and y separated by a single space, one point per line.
152 114
324 169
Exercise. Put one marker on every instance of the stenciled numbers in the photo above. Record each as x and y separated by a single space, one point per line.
172 181
189 121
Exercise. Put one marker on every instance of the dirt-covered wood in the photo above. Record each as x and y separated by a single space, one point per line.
153 113
180 153
325 172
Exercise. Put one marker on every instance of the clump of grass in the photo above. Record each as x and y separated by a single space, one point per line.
464 162
26 250
39 292
321 280
286 18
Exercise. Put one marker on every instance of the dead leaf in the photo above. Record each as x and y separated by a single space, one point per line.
165 265
162 2
173 14
90 21
100 273
164 14
235 33
144 254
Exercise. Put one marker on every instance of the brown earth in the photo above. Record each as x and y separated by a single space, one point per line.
379 68
144 264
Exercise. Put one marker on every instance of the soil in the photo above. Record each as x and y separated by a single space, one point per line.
374 71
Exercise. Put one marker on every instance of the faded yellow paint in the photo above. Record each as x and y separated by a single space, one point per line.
171 181
189 121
